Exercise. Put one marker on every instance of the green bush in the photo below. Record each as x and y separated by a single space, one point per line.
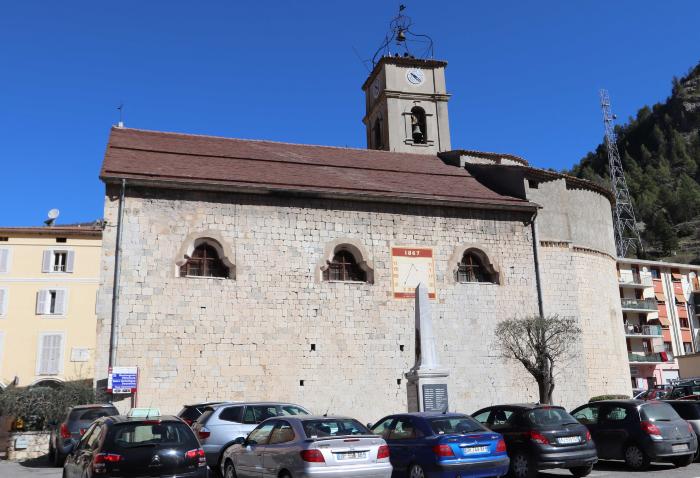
40 407
608 397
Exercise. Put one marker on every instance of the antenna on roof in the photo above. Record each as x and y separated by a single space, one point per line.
121 115
53 214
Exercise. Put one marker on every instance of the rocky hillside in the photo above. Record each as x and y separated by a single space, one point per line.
660 151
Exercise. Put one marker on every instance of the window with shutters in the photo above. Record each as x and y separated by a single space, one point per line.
473 268
204 262
344 267
51 302
4 297
50 354
4 260
57 260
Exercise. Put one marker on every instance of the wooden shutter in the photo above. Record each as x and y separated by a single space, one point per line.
61 301
3 301
46 265
41 298
50 354
4 260
70 259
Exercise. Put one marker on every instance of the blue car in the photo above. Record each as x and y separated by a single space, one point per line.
442 445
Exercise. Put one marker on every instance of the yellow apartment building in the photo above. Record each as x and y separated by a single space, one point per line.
49 278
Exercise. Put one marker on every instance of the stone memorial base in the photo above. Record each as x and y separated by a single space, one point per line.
427 390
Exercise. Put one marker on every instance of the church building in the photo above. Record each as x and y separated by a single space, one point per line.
258 270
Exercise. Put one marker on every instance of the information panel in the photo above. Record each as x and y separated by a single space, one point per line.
122 380
410 267
435 397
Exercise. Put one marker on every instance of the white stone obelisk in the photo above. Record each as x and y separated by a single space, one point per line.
427 382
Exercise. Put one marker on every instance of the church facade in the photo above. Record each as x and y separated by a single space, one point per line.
277 271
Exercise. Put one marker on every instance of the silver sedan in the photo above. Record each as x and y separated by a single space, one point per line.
308 446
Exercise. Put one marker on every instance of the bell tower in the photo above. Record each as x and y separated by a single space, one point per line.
405 96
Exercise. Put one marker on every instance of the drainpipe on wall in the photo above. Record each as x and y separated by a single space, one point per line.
535 243
115 285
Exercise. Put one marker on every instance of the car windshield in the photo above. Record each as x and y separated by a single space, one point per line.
92 414
157 434
689 410
292 410
332 427
455 425
658 412
549 416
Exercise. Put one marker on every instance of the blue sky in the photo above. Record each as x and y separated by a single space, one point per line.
524 78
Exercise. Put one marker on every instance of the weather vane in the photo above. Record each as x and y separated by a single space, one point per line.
403 40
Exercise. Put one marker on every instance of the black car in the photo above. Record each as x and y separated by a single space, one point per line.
540 437
638 432
190 413
686 389
76 422
126 447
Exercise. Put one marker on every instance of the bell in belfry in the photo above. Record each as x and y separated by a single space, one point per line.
417 133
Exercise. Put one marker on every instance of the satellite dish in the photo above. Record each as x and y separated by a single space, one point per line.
53 213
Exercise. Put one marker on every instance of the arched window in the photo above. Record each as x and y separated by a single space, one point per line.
204 262
344 267
377 134
471 269
418 126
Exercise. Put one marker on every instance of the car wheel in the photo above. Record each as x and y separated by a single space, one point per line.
416 471
581 471
682 461
285 475
229 470
636 458
521 466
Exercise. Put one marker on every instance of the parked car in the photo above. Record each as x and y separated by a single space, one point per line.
540 437
221 424
121 446
690 412
73 426
442 444
638 432
685 389
190 413
301 445
656 393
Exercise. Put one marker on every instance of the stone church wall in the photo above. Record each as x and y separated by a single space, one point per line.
250 338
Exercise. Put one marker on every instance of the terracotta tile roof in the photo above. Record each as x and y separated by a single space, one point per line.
206 162
91 230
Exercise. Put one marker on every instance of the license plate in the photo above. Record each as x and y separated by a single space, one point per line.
681 447
353 455
568 440
470 450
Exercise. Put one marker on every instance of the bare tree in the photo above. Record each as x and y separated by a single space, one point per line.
538 343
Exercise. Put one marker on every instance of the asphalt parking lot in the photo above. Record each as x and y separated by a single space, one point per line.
608 469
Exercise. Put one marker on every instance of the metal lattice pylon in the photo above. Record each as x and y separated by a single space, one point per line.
624 222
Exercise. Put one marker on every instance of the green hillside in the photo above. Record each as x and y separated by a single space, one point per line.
660 151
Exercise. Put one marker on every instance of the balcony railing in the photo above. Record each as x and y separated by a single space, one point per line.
653 330
635 357
639 304
635 280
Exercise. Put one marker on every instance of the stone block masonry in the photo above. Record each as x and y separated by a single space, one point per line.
249 338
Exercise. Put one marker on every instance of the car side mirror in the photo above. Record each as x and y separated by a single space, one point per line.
250 442
369 425
239 441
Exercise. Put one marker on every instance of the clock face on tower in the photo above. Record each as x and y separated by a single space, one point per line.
415 76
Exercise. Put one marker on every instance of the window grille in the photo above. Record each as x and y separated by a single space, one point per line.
205 262
344 267
471 269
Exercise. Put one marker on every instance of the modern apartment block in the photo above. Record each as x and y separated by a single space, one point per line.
658 317
49 278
